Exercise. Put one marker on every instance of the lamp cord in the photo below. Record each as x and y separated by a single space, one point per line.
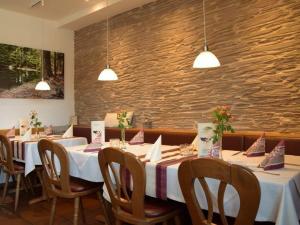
107 35
42 51
204 22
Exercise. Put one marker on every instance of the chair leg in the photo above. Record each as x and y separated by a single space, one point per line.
107 220
5 186
24 184
76 209
17 191
28 181
82 211
52 216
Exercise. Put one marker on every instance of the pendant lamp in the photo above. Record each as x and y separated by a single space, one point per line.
205 59
42 85
107 74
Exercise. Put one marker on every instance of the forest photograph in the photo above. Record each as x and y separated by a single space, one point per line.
22 68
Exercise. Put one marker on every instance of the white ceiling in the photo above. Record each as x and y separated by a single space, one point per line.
73 14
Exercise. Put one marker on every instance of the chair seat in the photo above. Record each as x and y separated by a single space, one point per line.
155 207
79 185
18 168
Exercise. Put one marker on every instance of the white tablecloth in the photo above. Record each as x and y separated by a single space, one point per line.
85 164
280 195
32 157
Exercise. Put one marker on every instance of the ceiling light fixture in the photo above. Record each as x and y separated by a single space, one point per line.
206 59
42 85
107 74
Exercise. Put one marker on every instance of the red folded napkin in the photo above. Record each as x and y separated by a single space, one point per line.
275 160
93 148
138 138
11 133
257 148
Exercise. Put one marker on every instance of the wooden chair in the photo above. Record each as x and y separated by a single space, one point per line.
10 168
58 182
131 206
241 178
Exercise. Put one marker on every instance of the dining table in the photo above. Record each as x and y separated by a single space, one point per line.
27 151
280 188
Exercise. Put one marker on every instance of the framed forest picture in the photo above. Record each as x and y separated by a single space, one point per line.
21 69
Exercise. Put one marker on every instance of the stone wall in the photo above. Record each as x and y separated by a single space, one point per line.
153 49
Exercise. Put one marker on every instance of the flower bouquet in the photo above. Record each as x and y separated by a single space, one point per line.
221 119
34 121
124 123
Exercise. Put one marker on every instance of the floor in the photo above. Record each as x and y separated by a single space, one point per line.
38 214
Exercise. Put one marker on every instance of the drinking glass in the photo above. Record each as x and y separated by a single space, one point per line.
114 142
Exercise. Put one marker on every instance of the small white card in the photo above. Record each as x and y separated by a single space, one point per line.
205 133
98 132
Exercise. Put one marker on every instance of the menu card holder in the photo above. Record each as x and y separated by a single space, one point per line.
98 132
205 133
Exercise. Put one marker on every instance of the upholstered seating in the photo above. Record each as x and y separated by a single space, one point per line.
79 185
238 141
155 207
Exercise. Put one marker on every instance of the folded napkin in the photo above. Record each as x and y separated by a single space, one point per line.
195 143
27 135
94 147
138 138
154 153
48 130
215 150
257 148
11 133
69 132
275 160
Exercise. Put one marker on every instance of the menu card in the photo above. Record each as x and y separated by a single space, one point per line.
98 132
205 133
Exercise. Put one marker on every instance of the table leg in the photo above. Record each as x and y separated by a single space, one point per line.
44 196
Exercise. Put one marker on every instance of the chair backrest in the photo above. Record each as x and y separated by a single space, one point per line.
123 165
241 178
55 162
6 154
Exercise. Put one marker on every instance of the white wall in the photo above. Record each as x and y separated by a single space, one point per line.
22 30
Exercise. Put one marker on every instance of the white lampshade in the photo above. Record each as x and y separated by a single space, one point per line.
42 86
107 75
206 59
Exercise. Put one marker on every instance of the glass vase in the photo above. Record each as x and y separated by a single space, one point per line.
220 148
36 133
123 141
216 150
